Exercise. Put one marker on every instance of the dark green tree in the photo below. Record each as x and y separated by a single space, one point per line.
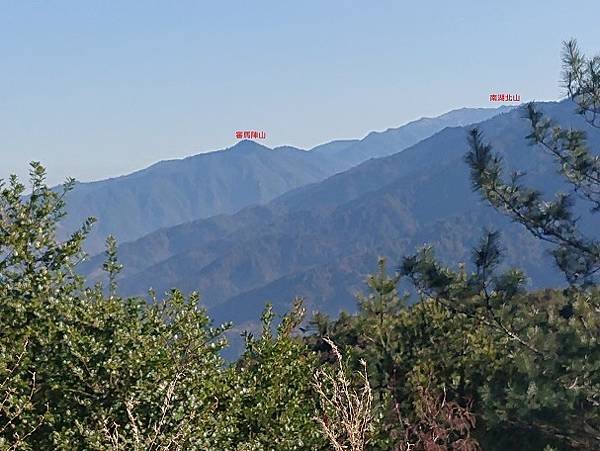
553 387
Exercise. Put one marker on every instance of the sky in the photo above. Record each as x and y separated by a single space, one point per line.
96 89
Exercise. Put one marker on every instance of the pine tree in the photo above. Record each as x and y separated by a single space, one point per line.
555 388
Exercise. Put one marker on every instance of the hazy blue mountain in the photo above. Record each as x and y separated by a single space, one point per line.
319 241
335 146
178 191
393 140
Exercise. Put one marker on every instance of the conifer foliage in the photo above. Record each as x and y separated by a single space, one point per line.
556 387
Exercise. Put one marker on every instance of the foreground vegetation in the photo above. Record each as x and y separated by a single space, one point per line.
477 363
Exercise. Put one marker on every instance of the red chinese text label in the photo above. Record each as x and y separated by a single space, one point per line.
505 98
250 134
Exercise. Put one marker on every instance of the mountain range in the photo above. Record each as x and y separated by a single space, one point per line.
225 181
320 240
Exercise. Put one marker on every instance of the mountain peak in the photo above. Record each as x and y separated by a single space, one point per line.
247 144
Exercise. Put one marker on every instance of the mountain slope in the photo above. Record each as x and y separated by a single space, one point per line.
392 140
319 241
177 191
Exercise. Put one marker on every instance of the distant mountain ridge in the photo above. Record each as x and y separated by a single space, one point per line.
222 182
176 191
320 240
392 140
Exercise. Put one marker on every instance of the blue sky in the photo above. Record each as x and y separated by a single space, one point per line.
100 88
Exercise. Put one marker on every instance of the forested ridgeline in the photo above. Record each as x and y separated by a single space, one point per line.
478 362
